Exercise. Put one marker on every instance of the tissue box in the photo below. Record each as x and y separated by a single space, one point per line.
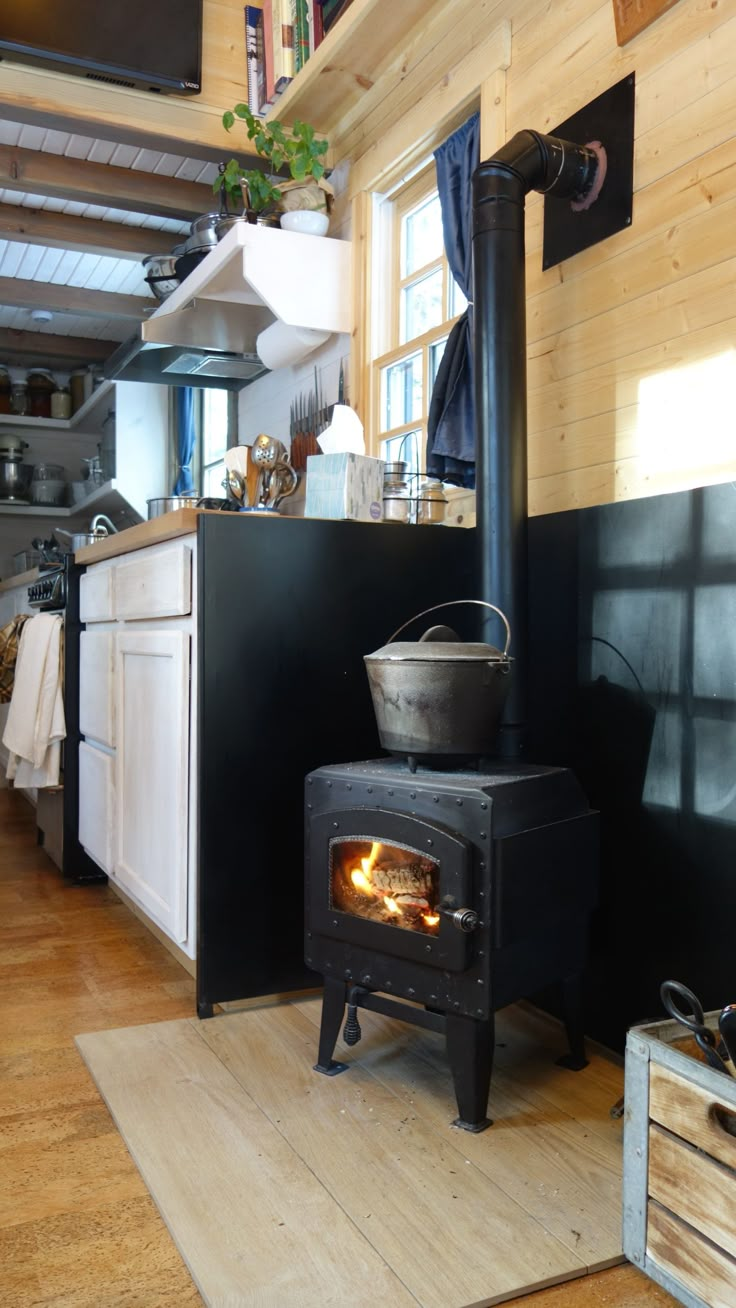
344 486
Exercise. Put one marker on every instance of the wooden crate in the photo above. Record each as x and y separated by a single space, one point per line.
680 1167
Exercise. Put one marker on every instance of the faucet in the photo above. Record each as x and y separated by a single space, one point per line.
102 520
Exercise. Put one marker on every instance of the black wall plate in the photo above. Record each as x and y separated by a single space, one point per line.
608 119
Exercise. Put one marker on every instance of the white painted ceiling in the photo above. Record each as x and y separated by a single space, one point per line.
70 267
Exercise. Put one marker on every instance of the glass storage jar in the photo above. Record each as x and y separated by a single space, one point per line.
48 484
19 398
40 386
431 503
61 403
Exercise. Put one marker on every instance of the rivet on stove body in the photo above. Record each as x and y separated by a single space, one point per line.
412 794
411 993
336 824
435 799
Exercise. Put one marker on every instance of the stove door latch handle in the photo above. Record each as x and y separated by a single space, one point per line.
465 919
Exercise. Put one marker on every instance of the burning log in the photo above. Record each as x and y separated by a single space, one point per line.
408 879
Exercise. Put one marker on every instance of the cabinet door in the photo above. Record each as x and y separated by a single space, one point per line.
152 773
96 803
96 711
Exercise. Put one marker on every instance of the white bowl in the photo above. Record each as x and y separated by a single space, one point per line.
308 221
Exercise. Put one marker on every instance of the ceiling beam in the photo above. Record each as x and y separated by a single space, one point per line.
22 293
27 348
39 173
68 232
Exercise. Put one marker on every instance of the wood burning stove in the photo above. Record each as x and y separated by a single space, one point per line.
460 891
463 891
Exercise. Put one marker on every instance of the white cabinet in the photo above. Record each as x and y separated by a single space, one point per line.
96 803
137 817
152 773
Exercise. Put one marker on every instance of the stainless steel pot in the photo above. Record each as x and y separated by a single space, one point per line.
161 274
204 231
78 539
439 696
168 503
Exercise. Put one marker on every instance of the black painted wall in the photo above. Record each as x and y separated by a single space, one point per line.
633 612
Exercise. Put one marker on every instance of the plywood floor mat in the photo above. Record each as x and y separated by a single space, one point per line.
286 1189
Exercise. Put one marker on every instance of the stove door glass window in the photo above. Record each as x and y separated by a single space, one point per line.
391 884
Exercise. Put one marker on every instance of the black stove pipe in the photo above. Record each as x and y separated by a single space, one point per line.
528 162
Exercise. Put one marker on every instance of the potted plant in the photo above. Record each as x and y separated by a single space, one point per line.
303 153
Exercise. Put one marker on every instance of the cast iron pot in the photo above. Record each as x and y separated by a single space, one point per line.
439 696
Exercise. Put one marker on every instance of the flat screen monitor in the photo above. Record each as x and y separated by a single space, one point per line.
155 45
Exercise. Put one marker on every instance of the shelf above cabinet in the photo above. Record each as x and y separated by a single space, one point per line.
254 275
105 499
348 62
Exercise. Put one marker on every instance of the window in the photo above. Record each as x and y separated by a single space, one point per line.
421 304
214 428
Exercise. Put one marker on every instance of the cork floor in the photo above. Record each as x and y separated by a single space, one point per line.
78 1228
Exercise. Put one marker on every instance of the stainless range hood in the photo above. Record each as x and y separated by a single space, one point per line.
182 365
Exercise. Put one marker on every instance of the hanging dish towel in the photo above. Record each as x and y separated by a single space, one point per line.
9 645
36 727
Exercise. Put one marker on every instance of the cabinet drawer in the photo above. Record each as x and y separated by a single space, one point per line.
96 800
96 703
705 1271
158 586
97 596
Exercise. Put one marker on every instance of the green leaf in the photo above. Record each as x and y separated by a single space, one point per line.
242 111
318 170
227 120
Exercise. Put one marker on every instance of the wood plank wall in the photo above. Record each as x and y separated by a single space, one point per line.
632 365
631 344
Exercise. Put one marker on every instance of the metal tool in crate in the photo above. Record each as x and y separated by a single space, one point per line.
686 1008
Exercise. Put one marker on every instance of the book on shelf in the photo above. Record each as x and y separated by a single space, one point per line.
253 16
268 19
283 45
300 28
331 10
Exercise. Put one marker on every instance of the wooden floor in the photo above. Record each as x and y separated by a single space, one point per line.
78 1228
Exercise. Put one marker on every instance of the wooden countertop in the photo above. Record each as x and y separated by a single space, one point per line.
169 525
22 579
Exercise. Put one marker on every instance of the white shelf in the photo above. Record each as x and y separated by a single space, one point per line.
88 419
105 499
302 280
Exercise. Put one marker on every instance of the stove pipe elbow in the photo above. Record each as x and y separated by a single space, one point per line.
528 162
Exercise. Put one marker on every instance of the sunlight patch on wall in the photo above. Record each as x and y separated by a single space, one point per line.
687 417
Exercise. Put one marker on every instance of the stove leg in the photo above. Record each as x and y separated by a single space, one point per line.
333 1010
470 1054
573 1017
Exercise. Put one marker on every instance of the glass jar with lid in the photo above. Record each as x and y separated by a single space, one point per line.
431 502
40 386
19 398
61 403
5 390
397 498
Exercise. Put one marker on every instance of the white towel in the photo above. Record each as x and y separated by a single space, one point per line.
36 725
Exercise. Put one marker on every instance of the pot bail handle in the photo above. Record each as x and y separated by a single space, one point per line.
451 604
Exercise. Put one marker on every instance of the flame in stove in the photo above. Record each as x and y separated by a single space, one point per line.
362 879
430 919
391 905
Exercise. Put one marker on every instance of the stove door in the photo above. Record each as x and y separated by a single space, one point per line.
391 883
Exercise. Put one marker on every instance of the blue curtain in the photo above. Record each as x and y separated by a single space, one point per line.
186 439
451 424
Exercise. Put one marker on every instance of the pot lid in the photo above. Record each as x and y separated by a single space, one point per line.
441 644
438 651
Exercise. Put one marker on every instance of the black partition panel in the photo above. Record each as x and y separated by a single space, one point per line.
633 624
287 609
